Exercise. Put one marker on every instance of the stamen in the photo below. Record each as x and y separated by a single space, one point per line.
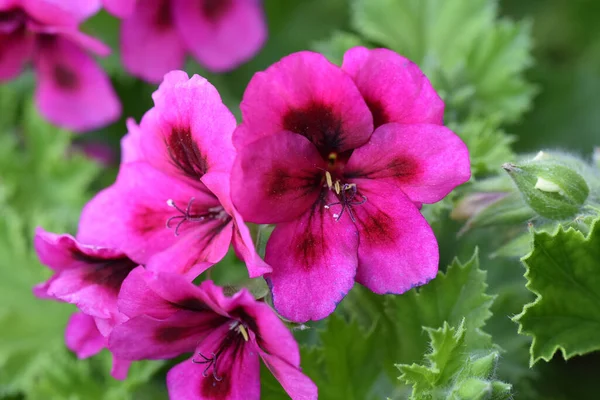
328 179
347 194
242 330
217 212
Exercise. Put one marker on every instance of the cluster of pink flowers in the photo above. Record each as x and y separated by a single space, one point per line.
74 92
339 159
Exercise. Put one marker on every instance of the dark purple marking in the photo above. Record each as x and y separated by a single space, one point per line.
281 183
64 77
319 124
168 334
215 9
185 153
380 116
146 220
310 246
192 303
377 230
163 19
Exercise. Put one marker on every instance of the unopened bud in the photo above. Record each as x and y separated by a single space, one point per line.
550 188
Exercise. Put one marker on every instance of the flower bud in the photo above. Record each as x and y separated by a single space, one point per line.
550 188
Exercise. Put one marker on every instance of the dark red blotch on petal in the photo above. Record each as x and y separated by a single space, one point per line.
168 334
64 77
163 19
380 116
108 273
147 220
185 153
229 353
192 303
378 229
310 246
318 123
214 9
281 183
210 388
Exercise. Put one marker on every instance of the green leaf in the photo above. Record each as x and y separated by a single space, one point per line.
335 47
563 270
454 370
346 363
489 147
474 60
43 183
450 297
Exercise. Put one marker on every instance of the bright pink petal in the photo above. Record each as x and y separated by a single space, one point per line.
188 132
314 260
120 8
144 337
87 276
306 94
297 385
276 178
221 34
195 252
235 377
82 337
397 249
135 212
137 298
15 49
426 161
130 144
219 184
73 91
120 368
394 87
62 12
150 43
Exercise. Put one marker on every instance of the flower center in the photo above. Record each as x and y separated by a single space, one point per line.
188 215
347 194
232 338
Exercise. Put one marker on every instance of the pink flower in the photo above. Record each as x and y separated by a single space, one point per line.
91 278
170 207
228 335
220 34
339 159
72 90
85 340
120 8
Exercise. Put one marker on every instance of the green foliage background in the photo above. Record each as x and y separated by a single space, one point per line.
517 77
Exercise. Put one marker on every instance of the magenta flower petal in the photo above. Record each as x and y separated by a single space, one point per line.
150 43
137 298
83 337
397 249
162 338
119 8
227 334
87 276
188 132
221 34
73 91
305 94
235 377
426 161
314 260
130 144
219 184
63 12
15 45
394 87
277 177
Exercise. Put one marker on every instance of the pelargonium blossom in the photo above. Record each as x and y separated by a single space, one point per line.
228 335
170 207
220 34
91 278
72 90
340 159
